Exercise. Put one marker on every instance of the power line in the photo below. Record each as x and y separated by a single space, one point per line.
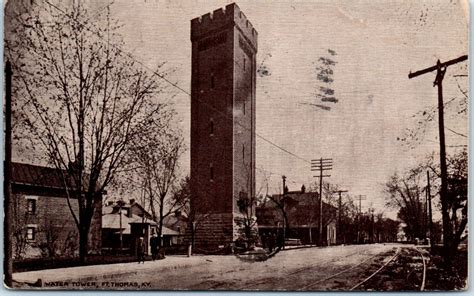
161 76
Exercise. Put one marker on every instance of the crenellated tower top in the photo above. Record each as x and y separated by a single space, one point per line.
210 23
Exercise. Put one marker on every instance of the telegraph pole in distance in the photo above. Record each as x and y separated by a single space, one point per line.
440 69
339 213
321 165
360 197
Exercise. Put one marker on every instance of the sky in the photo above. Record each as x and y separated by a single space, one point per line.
377 44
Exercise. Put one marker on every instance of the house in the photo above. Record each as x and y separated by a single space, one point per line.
124 223
43 224
177 223
302 211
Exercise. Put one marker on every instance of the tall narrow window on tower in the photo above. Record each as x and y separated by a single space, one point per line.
243 107
245 61
212 81
243 152
211 127
211 169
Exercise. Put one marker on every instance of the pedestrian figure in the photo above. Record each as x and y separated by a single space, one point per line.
154 246
141 250
271 242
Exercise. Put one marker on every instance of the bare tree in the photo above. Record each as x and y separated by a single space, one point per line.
80 97
455 106
182 196
156 155
247 204
19 225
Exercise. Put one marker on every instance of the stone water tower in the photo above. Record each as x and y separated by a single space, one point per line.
224 47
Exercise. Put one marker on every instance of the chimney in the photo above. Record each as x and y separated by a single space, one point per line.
132 201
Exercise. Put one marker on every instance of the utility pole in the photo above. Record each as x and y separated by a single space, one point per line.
283 205
321 165
430 215
440 69
8 242
372 226
339 216
361 197
121 203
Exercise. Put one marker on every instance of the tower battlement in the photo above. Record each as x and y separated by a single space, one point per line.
212 22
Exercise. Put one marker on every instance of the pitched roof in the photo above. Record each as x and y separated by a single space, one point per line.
43 176
301 209
112 221
175 222
28 174
167 231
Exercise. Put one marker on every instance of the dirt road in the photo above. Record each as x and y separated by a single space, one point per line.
311 269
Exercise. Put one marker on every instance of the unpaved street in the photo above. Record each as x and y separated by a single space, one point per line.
331 268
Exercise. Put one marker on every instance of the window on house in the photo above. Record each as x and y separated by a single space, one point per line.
212 81
30 233
31 206
211 167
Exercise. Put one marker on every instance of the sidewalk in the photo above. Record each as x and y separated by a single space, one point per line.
106 271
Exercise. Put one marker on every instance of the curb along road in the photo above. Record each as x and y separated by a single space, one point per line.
101 272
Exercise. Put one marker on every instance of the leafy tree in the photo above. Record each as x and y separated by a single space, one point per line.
457 205
386 229
79 97
406 193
